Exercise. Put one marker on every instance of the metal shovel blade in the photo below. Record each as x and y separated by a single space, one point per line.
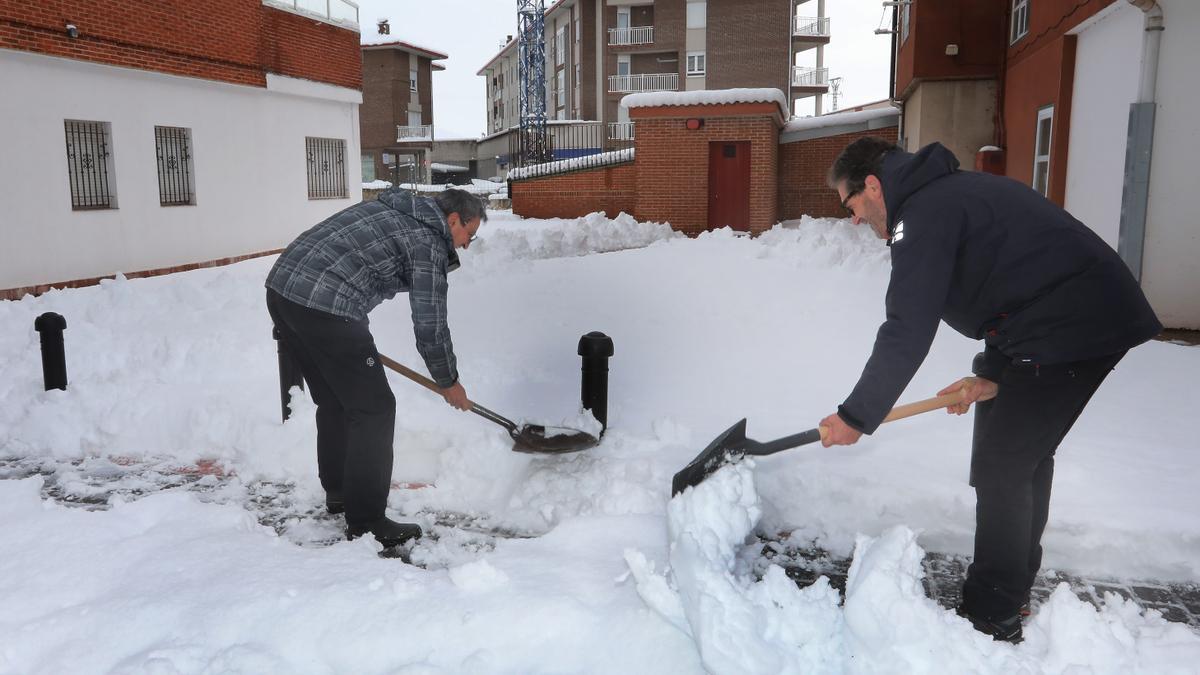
720 452
538 439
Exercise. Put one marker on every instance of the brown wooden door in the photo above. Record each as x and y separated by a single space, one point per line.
729 185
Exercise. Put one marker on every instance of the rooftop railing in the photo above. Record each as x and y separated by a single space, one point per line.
341 12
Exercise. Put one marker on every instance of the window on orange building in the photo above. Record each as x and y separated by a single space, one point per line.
1020 20
1041 150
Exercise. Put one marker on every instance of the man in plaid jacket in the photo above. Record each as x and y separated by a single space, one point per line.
319 294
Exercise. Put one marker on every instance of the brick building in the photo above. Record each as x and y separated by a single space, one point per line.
143 136
706 160
597 52
397 110
1088 102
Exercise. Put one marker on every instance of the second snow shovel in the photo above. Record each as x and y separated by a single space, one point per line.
732 445
533 438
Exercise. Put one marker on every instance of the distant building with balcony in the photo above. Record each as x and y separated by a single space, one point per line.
397 110
598 51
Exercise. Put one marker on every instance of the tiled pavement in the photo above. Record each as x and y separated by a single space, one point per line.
91 482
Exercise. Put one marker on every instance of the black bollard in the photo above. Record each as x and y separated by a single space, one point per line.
54 356
289 374
595 348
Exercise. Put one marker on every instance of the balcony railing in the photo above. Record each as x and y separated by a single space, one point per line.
803 76
811 26
337 11
411 134
620 131
637 35
643 82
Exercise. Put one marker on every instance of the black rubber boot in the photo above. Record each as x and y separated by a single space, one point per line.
1001 630
387 531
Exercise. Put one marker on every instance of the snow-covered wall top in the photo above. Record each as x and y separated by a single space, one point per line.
562 166
839 119
709 97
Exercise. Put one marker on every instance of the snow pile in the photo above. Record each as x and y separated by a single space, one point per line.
593 233
706 97
376 185
886 624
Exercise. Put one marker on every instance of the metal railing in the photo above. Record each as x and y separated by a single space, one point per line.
418 133
643 82
620 131
811 26
803 76
635 35
338 11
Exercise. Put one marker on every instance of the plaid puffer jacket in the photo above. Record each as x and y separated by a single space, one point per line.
359 257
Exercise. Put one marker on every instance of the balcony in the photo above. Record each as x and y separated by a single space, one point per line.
620 131
343 12
803 76
423 133
637 35
811 27
629 84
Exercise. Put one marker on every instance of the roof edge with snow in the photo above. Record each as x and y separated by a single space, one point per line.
707 97
833 124
596 161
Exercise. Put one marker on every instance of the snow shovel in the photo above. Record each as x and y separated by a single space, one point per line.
732 445
531 438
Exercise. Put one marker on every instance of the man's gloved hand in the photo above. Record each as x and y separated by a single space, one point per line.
456 396
839 433
974 389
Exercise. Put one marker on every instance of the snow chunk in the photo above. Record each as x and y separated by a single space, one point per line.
478 576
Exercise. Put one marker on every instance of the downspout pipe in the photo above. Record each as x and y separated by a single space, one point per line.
1135 195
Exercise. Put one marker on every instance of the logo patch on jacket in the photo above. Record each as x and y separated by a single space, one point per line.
897 233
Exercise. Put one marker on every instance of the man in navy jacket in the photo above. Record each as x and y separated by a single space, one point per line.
1054 305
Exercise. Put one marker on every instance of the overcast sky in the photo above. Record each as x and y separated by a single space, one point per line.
471 32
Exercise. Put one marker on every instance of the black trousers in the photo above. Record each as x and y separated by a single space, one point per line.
356 411
1012 468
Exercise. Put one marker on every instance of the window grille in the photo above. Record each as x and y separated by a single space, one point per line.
326 168
89 165
173 146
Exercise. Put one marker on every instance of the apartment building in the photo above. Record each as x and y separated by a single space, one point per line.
141 137
598 51
397 110
1089 103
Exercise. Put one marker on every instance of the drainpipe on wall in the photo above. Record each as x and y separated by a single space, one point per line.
1135 195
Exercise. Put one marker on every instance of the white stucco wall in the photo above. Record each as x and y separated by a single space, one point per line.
249 160
1107 57
1171 266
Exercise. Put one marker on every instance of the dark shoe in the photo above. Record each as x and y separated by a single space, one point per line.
334 503
1001 630
387 531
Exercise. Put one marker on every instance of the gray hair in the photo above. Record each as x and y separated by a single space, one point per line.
466 205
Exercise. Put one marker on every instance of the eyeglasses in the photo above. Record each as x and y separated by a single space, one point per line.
846 202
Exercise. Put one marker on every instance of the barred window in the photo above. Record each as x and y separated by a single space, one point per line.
89 165
326 168
173 146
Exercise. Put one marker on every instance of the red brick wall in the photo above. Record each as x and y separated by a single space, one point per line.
571 195
672 161
977 27
235 41
802 169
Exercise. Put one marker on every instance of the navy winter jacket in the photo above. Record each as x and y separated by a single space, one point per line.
997 262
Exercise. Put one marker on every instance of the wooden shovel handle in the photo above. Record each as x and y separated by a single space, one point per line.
918 407
411 374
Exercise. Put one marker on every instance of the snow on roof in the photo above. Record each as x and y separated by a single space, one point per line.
708 97
840 118
503 50
447 168
564 165
398 42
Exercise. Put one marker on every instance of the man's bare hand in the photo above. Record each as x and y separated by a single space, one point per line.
456 396
839 433
973 389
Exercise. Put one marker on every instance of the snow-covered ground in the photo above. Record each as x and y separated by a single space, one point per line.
180 371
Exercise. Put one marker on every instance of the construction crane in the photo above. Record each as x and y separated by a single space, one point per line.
533 138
